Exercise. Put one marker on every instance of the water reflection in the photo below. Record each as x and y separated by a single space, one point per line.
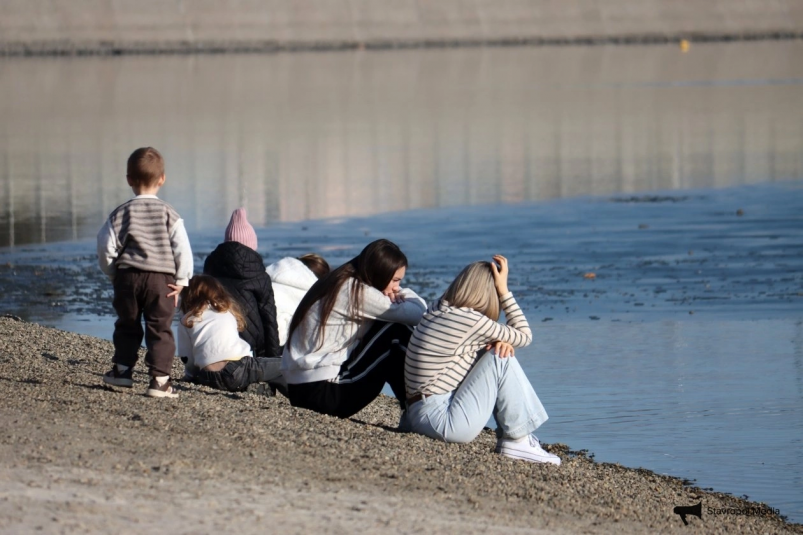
300 136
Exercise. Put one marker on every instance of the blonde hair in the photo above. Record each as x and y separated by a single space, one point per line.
474 288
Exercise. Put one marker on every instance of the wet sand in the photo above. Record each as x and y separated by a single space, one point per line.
79 457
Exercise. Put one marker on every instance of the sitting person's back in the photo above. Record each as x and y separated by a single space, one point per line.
212 353
240 269
291 278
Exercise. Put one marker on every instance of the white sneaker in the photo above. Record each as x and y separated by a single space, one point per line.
155 390
528 449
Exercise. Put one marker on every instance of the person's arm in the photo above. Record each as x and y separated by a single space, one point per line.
517 332
182 253
108 249
267 313
377 305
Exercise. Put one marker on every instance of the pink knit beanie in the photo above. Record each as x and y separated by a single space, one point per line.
240 230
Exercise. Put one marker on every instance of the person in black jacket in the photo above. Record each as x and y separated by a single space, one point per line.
240 269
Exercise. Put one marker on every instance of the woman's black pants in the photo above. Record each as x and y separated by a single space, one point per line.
378 359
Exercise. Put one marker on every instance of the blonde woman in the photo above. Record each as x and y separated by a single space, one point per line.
454 384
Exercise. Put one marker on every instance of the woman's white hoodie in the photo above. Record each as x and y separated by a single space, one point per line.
307 358
290 279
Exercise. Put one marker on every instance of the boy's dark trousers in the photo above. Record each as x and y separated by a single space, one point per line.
238 374
377 359
139 294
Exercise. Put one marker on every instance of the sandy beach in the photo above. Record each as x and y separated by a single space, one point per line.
77 457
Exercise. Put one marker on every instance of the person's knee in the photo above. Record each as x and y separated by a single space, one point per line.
462 430
502 363
488 357
460 437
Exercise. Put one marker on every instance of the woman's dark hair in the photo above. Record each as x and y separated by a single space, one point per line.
206 291
374 266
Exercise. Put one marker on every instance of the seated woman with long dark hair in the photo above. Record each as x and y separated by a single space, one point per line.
349 335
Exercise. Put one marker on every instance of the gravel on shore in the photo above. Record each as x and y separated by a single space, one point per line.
76 456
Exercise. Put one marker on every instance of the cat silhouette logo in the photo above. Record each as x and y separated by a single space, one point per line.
682 511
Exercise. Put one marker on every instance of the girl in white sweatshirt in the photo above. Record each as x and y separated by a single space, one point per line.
210 346
349 335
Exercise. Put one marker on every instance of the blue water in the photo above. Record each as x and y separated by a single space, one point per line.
718 401
683 355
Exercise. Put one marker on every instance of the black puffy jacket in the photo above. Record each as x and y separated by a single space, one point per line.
241 271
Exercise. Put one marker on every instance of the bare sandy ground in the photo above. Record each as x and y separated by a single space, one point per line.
76 457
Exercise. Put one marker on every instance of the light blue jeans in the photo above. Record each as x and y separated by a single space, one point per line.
495 386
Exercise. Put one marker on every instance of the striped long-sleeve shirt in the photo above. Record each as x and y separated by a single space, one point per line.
445 344
145 233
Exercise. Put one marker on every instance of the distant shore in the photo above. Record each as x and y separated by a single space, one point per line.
126 48
90 27
76 456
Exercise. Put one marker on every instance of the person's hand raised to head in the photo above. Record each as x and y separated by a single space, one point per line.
500 272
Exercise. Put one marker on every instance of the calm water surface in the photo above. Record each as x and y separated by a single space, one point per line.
306 136
684 355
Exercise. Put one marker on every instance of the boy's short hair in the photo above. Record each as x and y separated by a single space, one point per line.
316 264
145 167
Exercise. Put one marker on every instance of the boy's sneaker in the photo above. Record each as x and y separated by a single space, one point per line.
117 378
155 390
528 449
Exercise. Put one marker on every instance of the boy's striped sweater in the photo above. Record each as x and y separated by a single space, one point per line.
145 233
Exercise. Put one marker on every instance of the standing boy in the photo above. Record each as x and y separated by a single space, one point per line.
144 249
